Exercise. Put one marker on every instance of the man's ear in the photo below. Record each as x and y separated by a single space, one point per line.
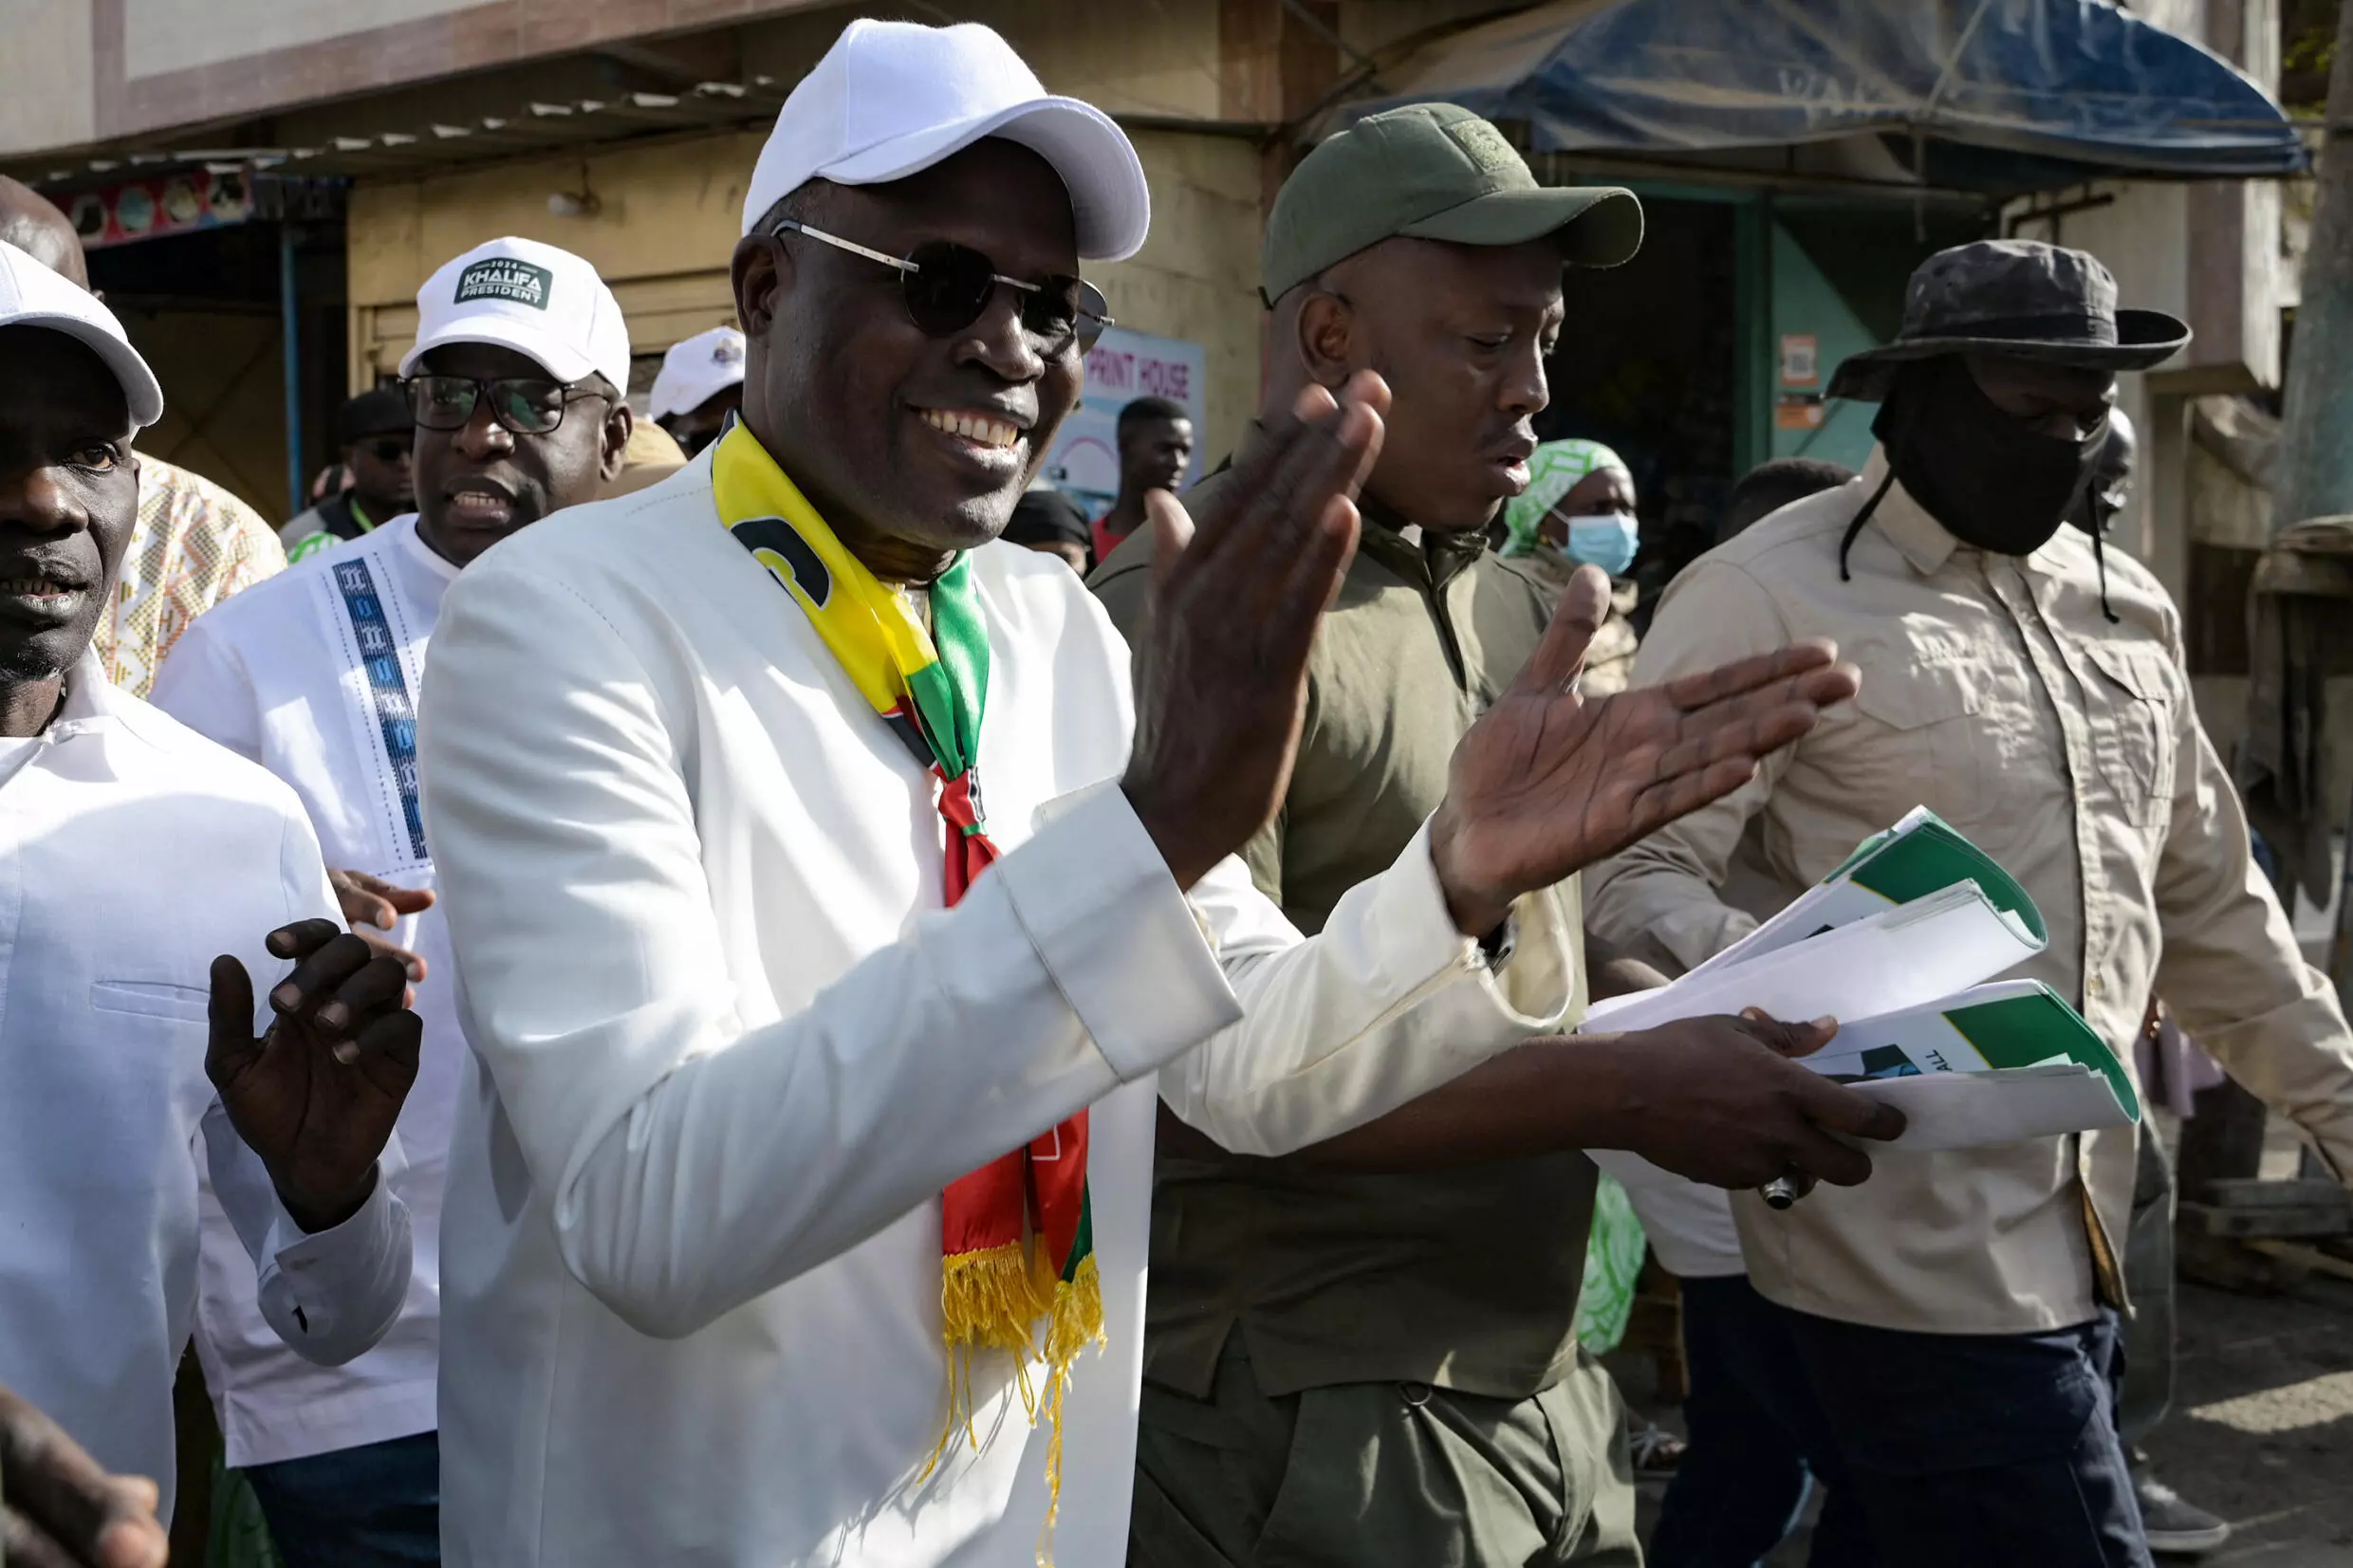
618 425
761 269
1327 337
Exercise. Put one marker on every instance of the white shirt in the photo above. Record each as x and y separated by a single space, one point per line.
1688 1224
732 1048
131 851
279 674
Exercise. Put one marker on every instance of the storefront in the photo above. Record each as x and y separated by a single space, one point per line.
1796 163
232 288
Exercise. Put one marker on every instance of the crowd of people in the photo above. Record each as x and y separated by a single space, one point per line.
776 961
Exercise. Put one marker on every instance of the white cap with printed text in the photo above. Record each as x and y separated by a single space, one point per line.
697 370
32 295
543 303
892 98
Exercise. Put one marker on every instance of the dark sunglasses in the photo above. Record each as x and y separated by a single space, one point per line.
524 405
948 286
386 451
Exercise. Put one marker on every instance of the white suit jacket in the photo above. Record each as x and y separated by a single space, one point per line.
731 1047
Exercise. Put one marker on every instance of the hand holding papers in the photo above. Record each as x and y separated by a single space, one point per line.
1897 944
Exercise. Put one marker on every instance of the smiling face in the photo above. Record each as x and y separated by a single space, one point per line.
68 498
1460 333
478 485
914 447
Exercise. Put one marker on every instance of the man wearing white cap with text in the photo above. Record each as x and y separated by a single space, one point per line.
700 383
826 947
514 383
137 854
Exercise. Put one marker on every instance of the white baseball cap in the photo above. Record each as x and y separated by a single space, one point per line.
891 98
32 295
542 302
697 370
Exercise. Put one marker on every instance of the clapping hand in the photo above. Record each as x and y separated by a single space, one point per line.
316 1097
1550 781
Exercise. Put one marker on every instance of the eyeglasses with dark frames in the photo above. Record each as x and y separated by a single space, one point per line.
523 405
947 286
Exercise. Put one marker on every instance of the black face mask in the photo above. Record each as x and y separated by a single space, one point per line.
1983 473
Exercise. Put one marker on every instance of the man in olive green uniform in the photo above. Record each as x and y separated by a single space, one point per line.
1362 1355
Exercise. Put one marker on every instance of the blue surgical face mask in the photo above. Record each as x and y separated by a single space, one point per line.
1607 540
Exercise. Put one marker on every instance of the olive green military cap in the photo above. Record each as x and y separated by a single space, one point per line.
1434 172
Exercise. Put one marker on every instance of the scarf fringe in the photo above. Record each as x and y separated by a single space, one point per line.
991 1299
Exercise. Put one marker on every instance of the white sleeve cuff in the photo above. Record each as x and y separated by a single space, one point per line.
1531 992
331 1293
1116 934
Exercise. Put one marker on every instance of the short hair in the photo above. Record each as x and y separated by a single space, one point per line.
1142 409
1772 485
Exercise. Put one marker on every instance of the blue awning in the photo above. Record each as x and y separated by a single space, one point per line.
1992 95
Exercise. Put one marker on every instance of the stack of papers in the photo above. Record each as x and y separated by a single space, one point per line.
1898 945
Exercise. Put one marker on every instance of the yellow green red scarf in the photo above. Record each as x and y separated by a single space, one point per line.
1017 1237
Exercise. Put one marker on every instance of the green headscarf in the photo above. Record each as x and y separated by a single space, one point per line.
1553 473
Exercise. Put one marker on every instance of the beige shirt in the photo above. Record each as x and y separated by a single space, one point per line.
1995 692
194 544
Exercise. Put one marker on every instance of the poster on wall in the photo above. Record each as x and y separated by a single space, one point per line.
1084 461
168 204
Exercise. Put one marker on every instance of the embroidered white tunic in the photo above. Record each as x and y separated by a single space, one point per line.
732 1047
313 675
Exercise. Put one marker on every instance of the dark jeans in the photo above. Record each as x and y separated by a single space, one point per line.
1756 1434
374 1506
1966 1450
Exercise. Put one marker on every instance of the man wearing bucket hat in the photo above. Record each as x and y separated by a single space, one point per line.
1956 1318
829 930
1365 1354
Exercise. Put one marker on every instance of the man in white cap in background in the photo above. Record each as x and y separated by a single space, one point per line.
700 384
514 383
137 854
788 1195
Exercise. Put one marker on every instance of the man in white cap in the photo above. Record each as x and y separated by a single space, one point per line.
514 384
823 944
135 852
700 383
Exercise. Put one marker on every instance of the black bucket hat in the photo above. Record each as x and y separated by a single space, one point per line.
2021 298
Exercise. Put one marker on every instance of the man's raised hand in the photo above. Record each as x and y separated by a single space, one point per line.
316 1097
1222 670
1548 781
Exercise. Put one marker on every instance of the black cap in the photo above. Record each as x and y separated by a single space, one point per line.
2020 297
380 411
1048 517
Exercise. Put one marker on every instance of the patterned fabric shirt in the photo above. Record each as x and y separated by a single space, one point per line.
194 545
